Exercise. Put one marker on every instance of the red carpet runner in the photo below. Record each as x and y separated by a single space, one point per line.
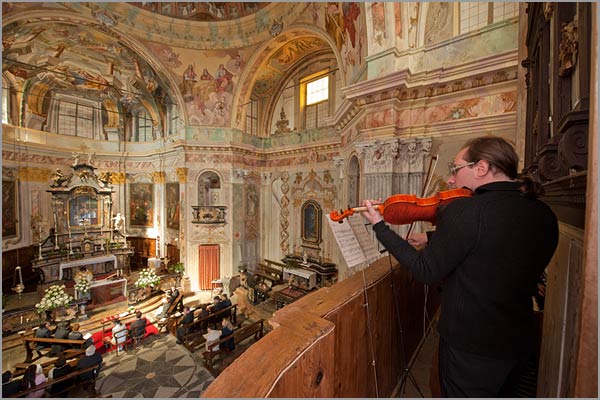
97 337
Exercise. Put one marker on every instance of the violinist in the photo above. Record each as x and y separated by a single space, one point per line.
482 251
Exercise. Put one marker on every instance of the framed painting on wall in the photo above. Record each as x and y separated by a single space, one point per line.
83 211
173 205
9 208
141 204
311 222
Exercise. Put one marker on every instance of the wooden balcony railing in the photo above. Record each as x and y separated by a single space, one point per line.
340 341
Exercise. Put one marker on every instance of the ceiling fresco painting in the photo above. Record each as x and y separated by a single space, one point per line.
197 58
203 11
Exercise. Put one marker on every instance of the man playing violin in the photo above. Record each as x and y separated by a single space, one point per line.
489 273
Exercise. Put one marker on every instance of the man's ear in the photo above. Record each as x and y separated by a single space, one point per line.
482 168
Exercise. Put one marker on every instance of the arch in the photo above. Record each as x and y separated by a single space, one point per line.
207 181
122 38
262 56
354 174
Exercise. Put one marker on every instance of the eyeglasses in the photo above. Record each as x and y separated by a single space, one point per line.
454 168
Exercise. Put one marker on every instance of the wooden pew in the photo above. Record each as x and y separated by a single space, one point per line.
240 334
177 302
195 328
30 343
89 383
69 354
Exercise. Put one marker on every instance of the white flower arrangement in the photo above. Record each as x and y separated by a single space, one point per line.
82 285
54 297
148 278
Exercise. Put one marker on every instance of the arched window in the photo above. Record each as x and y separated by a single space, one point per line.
475 15
75 116
143 127
252 117
315 99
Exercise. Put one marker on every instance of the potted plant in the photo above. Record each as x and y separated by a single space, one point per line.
148 280
55 297
177 268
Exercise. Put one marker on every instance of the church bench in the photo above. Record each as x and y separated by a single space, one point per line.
69 354
178 302
195 329
90 384
30 343
239 335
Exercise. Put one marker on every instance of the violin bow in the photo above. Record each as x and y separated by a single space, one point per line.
428 178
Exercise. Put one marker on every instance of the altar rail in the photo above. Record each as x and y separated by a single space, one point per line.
321 345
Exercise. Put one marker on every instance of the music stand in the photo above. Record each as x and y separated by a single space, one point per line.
406 373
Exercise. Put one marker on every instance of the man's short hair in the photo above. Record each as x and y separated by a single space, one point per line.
138 314
6 376
217 298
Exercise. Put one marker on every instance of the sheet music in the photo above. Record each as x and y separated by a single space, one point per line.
368 246
347 241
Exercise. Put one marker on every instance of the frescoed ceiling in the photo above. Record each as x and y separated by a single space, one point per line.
203 11
75 57
286 56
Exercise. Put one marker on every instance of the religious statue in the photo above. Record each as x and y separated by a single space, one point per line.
119 221
90 159
75 158
58 178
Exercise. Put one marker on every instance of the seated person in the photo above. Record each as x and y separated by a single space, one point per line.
172 295
42 332
91 358
227 331
75 334
215 307
138 327
122 339
34 375
225 303
10 386
61 368
201 315
212 336
182 329
161 312
62 332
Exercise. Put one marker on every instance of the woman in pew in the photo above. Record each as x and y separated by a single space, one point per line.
10 386
226 331
61 368
34 375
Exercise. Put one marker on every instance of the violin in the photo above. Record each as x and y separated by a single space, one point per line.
401 209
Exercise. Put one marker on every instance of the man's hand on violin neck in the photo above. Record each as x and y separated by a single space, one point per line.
371 215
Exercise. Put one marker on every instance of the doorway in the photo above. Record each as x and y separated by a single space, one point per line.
209 265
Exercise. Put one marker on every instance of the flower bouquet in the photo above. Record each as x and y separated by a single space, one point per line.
148 278
82 285
54 297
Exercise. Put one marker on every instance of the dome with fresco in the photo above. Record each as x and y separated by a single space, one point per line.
203 11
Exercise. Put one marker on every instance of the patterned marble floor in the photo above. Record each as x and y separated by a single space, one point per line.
158 368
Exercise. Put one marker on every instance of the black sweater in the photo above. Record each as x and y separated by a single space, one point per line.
489 250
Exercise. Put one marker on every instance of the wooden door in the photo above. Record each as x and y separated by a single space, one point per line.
209 265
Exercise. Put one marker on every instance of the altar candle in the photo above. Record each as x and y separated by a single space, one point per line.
21 319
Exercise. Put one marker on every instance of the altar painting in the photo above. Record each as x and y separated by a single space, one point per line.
141 204
83 211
